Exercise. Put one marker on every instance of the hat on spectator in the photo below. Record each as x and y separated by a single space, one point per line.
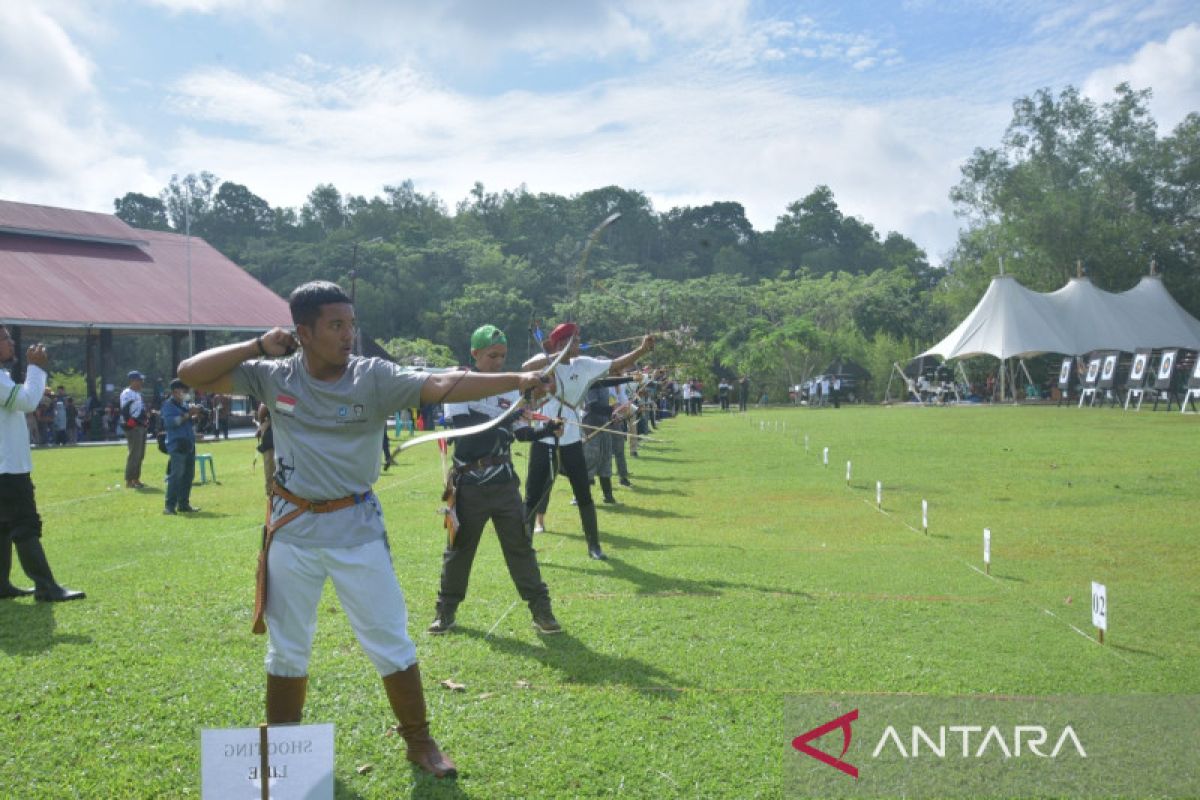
134 375
178 384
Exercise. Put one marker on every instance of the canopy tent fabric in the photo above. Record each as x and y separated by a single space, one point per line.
65 270
1011 321
1155 308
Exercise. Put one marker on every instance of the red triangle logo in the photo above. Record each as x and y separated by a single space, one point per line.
801 743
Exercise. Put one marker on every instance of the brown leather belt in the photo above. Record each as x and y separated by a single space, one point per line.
302 505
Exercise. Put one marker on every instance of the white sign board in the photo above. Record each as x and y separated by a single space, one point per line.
1099 606
299 759
987 545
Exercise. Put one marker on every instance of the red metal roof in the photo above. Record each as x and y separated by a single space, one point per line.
67 283
64 223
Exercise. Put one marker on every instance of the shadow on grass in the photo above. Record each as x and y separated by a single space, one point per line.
27 627
652 583
656 478
615 540
1126 649
623 510
579 664
668 459
638 489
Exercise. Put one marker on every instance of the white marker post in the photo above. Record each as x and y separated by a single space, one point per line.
825 457
1100 609
847 473
925 516
806 442
762 426
987 551
879 495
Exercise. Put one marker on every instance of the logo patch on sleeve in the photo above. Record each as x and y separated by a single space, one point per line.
285 404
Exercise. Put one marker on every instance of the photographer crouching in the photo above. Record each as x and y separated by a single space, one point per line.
178 418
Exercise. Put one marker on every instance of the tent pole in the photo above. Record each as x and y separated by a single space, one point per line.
1002 380
1025 369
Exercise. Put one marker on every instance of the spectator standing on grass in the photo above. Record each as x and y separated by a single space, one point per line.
45 417
20 523
133 419
723 389
60 417
72 421
266 443
329 409
178 419
743 392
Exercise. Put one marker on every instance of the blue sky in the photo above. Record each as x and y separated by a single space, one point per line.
689 101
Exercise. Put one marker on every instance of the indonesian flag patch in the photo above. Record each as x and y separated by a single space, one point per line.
285 404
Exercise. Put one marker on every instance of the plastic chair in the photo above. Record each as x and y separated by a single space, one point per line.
205 463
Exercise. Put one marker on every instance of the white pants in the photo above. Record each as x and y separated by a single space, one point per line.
367 588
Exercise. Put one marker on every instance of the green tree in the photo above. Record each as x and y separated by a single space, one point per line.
1074 181
142 211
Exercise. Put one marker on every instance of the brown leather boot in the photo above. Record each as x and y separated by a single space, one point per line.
408 704
285 699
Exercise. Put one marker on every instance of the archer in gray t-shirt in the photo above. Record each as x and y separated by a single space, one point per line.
327 439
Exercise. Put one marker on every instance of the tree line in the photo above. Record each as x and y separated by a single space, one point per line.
1072 180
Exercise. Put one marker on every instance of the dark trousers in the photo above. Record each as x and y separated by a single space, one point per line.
541 475
135 440
500 503
19 519
181 471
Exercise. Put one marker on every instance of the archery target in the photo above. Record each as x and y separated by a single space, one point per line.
1093 370
1110 367
1196 371
1166 365
1064 373
1139 367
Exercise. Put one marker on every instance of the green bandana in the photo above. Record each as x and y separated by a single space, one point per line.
487 336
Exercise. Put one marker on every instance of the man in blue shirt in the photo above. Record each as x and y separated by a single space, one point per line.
177 417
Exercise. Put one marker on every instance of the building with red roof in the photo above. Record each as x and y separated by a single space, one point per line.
88 274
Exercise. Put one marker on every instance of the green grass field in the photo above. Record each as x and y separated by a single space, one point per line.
741 571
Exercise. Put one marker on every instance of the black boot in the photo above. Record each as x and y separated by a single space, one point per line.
606 487
33 561
7 590
591 532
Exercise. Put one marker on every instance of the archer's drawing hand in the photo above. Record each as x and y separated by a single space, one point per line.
535 382
279 342
37 356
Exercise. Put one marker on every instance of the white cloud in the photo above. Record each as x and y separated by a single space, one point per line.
56 144
690 139
1171 68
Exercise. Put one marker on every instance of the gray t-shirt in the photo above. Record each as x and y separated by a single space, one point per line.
327 439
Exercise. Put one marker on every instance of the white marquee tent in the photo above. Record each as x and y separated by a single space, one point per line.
1011 321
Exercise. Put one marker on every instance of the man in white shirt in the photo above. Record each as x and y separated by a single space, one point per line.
572 379
20 524
133 422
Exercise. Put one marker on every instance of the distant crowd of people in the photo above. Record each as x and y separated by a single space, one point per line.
60 419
